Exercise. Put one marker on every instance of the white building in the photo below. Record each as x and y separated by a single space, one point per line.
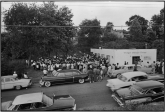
129 55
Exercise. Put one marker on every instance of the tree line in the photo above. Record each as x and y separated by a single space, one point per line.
24 40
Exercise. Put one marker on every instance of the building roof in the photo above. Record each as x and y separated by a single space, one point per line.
28 98
129 75
149 84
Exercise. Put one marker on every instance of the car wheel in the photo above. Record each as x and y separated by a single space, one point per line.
18 87
47 84
81 81
118 75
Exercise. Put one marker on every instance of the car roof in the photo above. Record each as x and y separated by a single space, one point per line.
28 98
149 84
129 75
8 76
70 70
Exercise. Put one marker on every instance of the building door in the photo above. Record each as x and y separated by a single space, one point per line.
135 58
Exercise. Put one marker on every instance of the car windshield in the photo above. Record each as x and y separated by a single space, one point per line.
47 100
121 77
136 89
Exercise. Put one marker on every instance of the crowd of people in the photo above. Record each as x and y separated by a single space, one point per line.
89 64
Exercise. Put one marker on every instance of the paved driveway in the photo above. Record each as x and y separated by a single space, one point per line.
89 96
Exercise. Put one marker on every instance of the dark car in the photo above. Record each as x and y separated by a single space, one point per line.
64 76
141 92
40 102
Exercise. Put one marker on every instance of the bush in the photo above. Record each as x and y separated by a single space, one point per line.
7 67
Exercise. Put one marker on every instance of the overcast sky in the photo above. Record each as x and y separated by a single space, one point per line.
116 12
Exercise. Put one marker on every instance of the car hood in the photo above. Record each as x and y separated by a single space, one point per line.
6 105
63 101
125 93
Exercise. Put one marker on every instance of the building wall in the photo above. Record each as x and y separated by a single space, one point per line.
109 52
122 55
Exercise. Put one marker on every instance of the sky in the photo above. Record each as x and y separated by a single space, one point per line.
116 12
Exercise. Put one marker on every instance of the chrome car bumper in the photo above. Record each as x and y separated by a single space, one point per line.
117 100
74 108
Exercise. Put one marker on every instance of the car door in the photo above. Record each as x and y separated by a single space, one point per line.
60 78
2 84
68 77
76 76
9 84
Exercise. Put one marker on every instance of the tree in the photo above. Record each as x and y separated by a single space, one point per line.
142 21
136 31
159 45
150 36
38 41
107 33
89 34
157 24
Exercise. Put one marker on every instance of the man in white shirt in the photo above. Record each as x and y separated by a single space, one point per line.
15 74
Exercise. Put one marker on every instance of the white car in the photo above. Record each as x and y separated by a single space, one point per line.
40 102
11 82
130 68
130 78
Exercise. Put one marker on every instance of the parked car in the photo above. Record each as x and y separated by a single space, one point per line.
129 78
11 82
141 92
64 76
130 68
40 102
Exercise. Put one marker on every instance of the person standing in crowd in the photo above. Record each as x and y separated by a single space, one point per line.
15 74
37 66
153 65
109 72
25 76
34 65
163 67
95 73
91 75
148 65
45 72
112 69
117 66
51 67
72 65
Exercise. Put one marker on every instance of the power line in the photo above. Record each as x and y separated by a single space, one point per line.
64 26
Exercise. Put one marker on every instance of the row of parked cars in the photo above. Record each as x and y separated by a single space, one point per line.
41 101
136 87
128 87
